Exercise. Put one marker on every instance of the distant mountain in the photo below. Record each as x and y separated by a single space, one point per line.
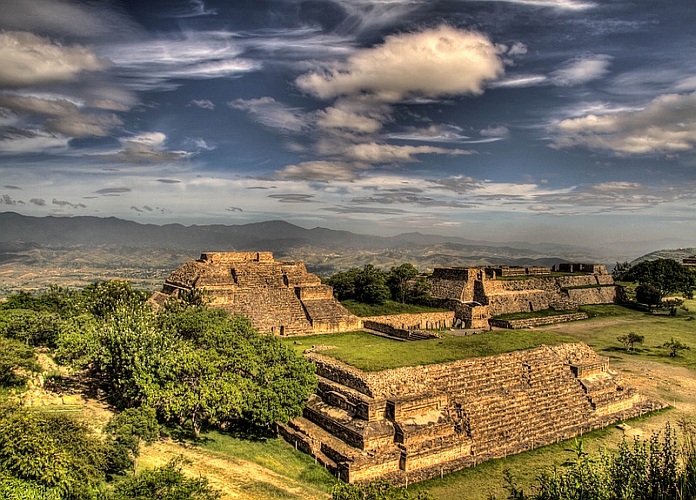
324 250
678 254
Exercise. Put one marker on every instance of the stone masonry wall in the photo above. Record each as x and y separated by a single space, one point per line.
412 423
532 322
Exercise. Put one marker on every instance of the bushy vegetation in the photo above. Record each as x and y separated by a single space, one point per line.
403 284
658 469
186 364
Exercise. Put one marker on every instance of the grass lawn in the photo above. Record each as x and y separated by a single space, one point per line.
617 320
388 308
373 353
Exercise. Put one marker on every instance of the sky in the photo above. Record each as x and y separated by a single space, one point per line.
569 121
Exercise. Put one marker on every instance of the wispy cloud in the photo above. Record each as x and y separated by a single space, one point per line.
144 148
273 114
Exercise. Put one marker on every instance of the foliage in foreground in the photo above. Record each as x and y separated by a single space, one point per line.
658 469
375 490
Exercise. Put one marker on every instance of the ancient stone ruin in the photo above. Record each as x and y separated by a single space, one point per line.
409 424
478 293
279 297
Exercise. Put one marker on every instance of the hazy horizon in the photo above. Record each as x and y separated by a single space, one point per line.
566 121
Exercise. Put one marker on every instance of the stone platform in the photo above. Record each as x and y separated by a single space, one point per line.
409 424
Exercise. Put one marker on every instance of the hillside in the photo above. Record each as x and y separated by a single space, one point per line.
75 251
678 254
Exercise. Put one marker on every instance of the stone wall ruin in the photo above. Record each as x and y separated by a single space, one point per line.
485 292
412 423
278 297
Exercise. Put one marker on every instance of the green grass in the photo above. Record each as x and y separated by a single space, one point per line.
373 353
388 308
273 453
617 320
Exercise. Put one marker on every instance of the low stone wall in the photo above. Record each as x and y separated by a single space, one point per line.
410 326
532 322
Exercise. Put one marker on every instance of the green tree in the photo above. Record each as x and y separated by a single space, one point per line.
281 382
398 281
15 356
630 340
666 275
107 297
36 328
222 369
674 347
370 286
164 483
130 428
343 284
649 295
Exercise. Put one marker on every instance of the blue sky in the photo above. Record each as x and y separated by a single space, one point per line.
541 120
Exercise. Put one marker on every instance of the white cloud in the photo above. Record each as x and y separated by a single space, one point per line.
434 133
437 62
666 125
582 70
322 171
388 153
555 4
334 117
271 113
66 118
26 60
63 17
499 132
148 147
520 81
202 103
32 141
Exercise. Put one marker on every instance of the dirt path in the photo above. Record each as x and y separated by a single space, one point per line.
235 478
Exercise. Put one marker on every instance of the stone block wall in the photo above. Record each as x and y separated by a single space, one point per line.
278 297
532 322
532 292
412 423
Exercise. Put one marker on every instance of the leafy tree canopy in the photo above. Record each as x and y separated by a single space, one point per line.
666 275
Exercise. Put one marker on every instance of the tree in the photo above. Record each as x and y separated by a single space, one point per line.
675 347
15 356
131 427
666 275
222 369
370 286
105 298
282 382
619 269
164 483
343 284
35 328
649 295
630 340
398 281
